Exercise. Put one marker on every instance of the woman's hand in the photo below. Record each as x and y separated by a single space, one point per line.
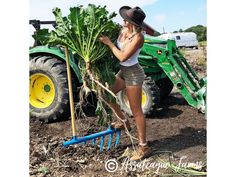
105 40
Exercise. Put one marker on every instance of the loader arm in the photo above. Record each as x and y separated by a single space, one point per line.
175 66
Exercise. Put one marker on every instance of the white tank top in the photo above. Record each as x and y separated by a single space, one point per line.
132 60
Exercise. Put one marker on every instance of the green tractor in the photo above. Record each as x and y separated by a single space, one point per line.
161 60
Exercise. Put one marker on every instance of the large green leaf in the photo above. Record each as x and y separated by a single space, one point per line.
80 31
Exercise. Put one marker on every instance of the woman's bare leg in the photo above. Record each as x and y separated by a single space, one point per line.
118 86
134 94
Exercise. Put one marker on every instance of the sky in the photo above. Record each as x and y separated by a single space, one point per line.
162 15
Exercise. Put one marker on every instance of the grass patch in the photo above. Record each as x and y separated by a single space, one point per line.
183 51
201 61
203 44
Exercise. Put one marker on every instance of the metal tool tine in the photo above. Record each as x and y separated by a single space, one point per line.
94 141
110 141
102 143
117 137
110 131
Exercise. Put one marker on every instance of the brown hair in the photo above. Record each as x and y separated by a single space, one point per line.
137 29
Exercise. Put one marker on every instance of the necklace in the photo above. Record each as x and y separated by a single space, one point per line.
132 36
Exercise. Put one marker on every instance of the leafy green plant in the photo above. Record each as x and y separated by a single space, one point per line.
80 31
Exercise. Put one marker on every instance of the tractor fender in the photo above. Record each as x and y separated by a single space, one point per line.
59 53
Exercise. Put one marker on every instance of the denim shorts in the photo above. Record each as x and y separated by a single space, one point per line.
132 75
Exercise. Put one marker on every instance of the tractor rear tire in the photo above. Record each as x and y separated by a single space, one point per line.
49 95
165 85
150 98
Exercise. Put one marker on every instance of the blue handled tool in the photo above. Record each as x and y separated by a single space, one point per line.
110 131
75 140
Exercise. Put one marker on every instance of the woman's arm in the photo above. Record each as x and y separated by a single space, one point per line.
129 49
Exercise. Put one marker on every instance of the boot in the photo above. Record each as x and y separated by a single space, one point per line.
121 125
141 153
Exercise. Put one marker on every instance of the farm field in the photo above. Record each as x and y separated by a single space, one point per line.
177 134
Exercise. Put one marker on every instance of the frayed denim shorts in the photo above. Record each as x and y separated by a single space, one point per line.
132 75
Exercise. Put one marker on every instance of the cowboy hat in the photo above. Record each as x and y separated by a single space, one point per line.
133 15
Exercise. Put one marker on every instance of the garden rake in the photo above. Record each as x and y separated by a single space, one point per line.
75 140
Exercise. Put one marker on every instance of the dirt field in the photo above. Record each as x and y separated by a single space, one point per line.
177 134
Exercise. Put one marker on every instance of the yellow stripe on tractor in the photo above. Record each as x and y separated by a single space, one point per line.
144 98
42 91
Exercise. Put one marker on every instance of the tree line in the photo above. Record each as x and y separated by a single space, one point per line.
199 30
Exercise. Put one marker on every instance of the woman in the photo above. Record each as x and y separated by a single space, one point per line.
131 74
